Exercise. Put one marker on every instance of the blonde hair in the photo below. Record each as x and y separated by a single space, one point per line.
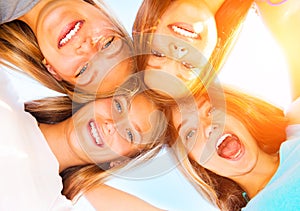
265 122
20 51
229 19
79 179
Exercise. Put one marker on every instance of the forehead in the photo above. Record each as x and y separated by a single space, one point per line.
142 100
147 119
187 110
141 111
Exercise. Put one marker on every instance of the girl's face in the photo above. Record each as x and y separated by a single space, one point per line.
109 128
81 45
184 40
226 148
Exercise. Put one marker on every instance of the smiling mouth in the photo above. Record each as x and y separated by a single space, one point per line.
184 30
229 147
69 31
95 133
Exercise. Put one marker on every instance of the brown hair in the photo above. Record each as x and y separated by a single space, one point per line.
78 180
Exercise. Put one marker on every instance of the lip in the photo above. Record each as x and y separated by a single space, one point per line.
184 30
238 155
66 30
95 133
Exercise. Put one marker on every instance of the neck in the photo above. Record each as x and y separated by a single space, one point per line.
57 139
255 180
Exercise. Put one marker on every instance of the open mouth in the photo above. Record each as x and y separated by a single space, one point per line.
68 32
229 147
185 30
95 133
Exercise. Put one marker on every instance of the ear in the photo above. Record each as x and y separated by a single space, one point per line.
51 70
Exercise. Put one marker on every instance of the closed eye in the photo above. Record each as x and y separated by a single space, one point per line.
157 53
187 65
210 111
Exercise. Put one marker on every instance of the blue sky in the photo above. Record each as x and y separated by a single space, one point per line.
125 10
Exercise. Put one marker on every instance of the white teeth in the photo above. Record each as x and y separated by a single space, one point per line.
220 140
184 32
70 34
95 133
237 154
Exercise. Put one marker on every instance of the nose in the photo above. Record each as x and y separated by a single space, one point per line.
109 128
178 51
87 47
209 130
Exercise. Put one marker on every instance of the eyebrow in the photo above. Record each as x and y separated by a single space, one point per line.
180 125
124 43
178 128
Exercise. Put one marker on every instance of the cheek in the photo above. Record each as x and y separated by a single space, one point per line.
111 82
162 29
202 154
164 83
210 39
44 42
218 168
195 153
103 109
120 146
76 146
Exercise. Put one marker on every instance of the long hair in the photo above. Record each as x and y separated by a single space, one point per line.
229 19
79 179
52 110
144 26
265 122
20 51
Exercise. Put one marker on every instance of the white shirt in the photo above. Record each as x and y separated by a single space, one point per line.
29 170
